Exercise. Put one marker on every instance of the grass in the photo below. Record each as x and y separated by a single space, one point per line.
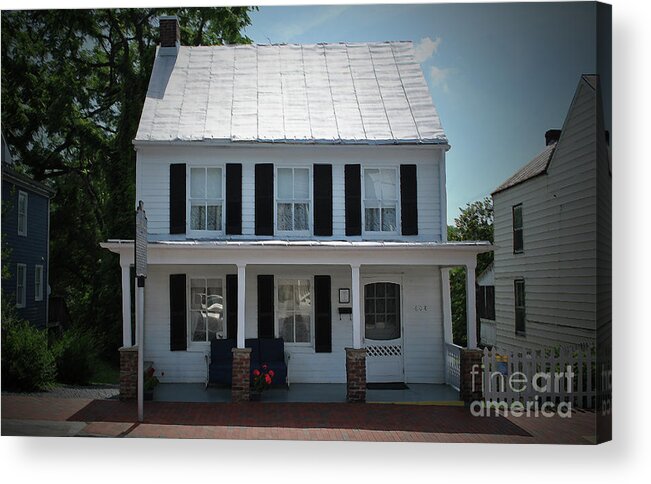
105 373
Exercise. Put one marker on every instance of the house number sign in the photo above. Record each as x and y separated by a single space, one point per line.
420 308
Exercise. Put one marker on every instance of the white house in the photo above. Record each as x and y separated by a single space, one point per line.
552 235
301 188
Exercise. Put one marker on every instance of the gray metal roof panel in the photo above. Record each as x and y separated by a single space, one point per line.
313 93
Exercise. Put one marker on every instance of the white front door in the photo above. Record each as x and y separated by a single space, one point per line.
383 331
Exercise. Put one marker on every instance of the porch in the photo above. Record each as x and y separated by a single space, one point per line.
310 393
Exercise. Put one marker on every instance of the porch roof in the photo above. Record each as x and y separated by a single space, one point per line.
276 251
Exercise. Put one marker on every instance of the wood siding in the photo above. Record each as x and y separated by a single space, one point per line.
423 330
153 180
560 240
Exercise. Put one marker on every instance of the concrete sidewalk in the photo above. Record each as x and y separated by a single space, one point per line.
45 416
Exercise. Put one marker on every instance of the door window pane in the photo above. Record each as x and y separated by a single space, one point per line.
382 311
206 309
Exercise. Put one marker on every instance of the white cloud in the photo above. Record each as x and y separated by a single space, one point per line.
426 48
440 75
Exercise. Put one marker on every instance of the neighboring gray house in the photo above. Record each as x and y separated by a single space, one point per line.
486 305
25 241
552 284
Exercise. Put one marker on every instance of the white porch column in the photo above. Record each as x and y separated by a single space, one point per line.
355 294
241 305
126 305
447 305
471 308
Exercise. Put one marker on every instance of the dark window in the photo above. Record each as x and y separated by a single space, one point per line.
518 239
382 311
520 310
486 302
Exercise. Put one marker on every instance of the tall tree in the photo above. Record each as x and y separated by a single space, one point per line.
73 86
475 222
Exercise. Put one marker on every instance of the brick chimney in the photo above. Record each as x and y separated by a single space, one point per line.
552 136
170 32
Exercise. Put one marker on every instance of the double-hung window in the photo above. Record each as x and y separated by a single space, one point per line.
520 310
38 283
518 236
206 309
206 199
22 213
21 285
294 311
293 200
380 200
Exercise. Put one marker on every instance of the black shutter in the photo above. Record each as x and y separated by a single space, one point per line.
265 306
231 305
322 315
352 176
323 200
178 313
177 198
409 199
264 199
234 198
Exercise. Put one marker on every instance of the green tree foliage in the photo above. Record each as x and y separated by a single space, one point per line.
475 222
73 86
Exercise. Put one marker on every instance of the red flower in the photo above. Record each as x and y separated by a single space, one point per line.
271 373
267 378
264 367
256 372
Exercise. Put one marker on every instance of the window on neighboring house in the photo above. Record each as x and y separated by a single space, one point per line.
520 310
22 213
294 312
380 200
38 283
518 239
486 302
293 200
206 199
21 285
206 309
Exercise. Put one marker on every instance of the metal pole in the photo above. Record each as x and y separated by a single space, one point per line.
140 320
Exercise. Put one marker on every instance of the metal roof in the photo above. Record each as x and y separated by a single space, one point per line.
535 167
363 93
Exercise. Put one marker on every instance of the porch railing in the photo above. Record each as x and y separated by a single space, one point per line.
452 365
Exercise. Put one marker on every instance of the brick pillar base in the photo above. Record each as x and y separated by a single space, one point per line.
128 372
471 375
241 386
356 375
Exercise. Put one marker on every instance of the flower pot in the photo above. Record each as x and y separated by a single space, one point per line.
255 396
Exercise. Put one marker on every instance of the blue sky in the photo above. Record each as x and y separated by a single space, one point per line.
500 75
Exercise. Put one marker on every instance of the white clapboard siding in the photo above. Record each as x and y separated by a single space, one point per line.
423 330
153 179
559 264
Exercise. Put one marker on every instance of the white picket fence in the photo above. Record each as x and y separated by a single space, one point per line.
452 365
551 375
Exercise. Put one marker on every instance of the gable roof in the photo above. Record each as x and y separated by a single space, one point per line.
363 93
535 167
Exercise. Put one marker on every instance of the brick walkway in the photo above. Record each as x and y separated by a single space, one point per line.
295 421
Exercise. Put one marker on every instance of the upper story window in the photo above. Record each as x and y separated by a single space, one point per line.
22 213
21 285
381 200
206 199
206 309
520 309
38 283
518 236
294 311
293 200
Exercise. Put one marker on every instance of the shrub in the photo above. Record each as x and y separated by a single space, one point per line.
76 356
27 362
